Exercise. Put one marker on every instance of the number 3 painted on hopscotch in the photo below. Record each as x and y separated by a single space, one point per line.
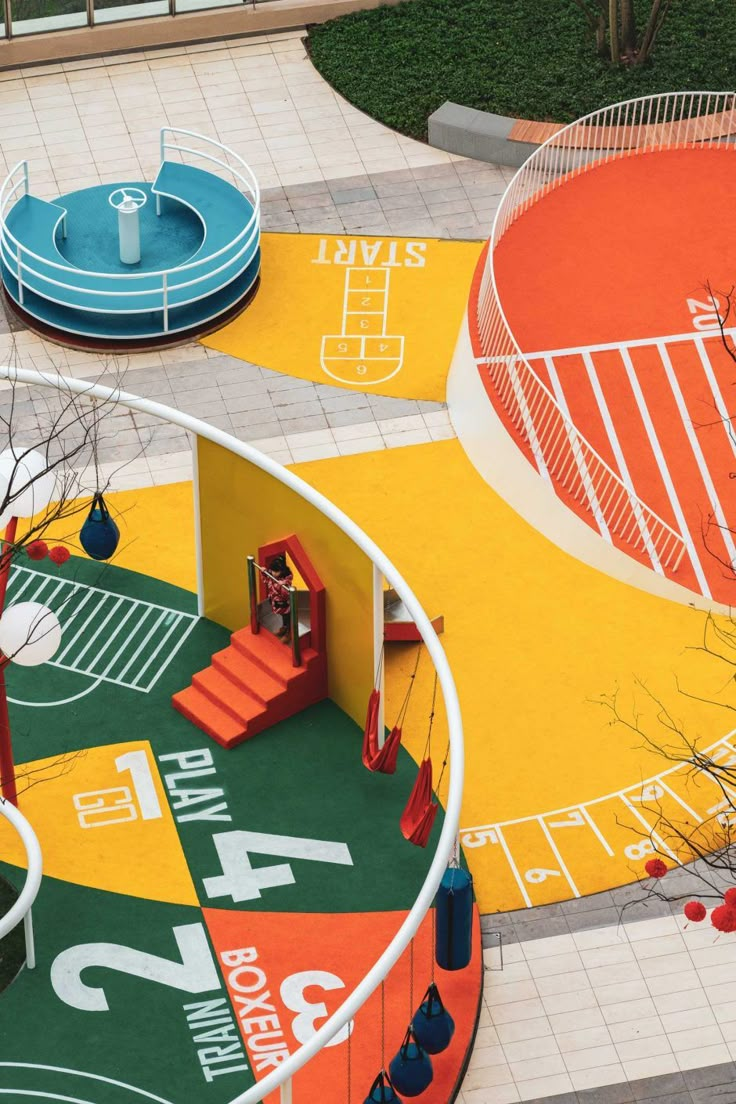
196 973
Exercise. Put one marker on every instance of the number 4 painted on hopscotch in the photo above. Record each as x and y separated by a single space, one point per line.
243 882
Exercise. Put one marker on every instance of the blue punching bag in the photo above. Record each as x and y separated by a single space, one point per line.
454 926
411 1069
99 535
433 1025
382 1091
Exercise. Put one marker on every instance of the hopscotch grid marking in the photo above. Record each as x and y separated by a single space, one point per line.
697 451
558 856
382 290
182 623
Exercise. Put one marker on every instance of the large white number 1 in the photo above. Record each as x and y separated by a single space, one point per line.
196 973
242 882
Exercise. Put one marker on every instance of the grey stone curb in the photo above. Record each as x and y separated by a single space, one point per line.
479 134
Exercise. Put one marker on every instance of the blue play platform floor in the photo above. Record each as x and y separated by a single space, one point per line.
92 231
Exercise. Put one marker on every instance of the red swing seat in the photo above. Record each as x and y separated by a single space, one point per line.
377 758
417 818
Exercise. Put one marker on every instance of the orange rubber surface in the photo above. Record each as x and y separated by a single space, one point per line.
619 256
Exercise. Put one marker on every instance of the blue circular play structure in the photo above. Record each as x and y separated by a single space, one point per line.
133 264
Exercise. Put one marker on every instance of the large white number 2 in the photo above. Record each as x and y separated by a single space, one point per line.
242 882
196 973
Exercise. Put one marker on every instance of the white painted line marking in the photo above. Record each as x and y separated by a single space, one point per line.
664 472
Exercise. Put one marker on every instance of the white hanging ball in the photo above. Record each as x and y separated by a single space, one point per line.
20 467
30 633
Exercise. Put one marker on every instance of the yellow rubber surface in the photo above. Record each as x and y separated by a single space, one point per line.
533 637
553 793
374 314
72 795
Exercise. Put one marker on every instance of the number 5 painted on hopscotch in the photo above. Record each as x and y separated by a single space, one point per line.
242 882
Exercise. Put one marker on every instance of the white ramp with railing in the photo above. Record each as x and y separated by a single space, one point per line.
692 120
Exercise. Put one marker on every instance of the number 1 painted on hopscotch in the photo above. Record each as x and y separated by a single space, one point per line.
363 353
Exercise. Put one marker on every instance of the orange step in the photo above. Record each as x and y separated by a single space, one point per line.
208 716
240 669
234 699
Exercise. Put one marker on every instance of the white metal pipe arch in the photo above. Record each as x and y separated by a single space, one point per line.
448 835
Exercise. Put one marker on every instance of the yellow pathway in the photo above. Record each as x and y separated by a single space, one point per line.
374 314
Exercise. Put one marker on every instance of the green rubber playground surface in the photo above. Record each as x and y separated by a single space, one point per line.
202 910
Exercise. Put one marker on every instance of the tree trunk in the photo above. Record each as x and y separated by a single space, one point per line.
600 36
657 15
628 27
613 31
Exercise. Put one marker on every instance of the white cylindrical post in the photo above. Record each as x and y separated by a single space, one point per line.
286 1092
127 202
129 232
30 942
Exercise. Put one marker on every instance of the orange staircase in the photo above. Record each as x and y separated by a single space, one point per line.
253 683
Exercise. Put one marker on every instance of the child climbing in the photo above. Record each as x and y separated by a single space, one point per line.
277 592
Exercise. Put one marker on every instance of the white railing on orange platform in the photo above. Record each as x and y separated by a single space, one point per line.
674 120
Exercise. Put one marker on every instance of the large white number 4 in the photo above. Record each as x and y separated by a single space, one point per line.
243 882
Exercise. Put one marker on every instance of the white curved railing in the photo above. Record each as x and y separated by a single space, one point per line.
162 282
448 835
21 910
674 120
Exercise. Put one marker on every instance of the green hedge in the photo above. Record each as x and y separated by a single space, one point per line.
530 59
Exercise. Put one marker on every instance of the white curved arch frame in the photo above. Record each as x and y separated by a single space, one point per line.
448 835
672 120
21 910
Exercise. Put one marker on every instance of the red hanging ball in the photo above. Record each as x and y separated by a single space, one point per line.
695 911
730 897
37 550
59 554
655 868
723 918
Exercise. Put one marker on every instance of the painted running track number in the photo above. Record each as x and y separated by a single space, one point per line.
704 313
242 882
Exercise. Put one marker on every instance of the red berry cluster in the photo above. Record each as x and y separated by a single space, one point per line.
39 550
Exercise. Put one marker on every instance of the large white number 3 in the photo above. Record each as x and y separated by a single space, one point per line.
196 973
292 994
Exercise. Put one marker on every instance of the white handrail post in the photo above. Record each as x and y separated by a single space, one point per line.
30 941
19 275
165 285
286 1097
25 175
378 638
